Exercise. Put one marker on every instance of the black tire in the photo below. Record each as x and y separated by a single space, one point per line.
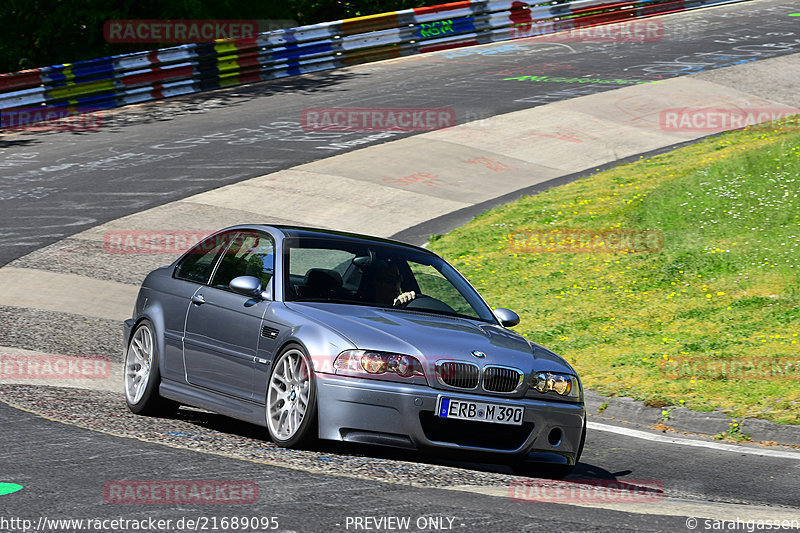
286 424
143 351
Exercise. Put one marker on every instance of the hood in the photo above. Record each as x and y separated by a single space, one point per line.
430 337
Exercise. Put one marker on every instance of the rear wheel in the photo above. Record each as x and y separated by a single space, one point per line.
291 398
142 376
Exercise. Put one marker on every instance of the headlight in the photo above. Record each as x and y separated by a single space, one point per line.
564 385
360 362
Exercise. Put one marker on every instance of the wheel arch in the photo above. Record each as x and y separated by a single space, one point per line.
320 343
153 313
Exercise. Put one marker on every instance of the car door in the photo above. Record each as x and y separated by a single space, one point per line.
223 328
192 271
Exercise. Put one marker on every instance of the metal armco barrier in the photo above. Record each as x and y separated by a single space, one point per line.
139 77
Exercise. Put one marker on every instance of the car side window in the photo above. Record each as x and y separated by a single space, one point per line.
198 264
250 254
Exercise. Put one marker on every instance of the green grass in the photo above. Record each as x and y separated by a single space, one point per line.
725 286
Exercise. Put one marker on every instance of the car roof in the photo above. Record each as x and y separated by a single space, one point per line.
303 231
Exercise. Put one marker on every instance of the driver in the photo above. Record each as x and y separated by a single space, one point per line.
381 284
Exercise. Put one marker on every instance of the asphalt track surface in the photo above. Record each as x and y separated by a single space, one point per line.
64 470
59 183
54 185
302 501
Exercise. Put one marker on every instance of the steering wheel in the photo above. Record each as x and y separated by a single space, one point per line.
417 296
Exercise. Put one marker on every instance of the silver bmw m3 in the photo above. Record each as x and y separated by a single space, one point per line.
322 334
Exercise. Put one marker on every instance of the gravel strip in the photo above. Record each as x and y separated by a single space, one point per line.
60 333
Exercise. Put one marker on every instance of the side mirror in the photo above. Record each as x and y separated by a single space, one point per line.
248 286
507 317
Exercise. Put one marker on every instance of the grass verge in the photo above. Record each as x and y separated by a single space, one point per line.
706 315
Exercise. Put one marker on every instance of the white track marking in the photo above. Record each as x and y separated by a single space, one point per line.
655 437
668 506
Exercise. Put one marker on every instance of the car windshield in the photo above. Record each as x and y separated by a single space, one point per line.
376 274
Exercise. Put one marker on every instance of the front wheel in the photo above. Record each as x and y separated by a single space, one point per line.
142 376
291 398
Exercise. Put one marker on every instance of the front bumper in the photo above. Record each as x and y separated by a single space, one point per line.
395 414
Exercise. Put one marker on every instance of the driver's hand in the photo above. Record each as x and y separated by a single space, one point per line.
404 298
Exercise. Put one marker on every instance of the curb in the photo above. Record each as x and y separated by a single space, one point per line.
420 234
628 410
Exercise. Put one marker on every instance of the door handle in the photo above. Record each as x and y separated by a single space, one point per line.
198 299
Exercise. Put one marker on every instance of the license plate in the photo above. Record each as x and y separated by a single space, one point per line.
479 411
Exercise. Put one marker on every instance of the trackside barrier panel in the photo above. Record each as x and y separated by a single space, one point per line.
138 77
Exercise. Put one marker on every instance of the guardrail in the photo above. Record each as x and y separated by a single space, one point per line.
139 77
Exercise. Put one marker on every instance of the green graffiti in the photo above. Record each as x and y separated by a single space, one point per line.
578 80
8 488
794 14
436 28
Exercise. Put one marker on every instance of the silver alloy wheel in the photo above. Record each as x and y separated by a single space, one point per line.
138 363
287 395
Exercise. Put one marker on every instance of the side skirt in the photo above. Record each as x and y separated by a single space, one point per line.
239 409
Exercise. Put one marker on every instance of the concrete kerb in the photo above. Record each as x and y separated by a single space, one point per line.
627 411
420 233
